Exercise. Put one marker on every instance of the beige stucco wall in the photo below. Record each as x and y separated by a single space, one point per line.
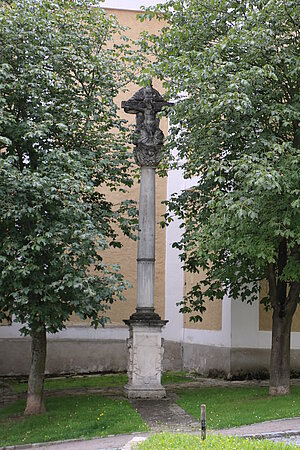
212 317
126 256
265 317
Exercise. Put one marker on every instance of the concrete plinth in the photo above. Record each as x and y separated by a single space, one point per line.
145 346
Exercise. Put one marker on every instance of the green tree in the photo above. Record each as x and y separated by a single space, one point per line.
233 66
62 149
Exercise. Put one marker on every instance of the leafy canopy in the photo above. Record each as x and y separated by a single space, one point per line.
62 148
233 69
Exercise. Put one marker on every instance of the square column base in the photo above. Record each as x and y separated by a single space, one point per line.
146 392
145 346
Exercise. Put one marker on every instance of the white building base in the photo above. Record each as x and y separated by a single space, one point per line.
145 346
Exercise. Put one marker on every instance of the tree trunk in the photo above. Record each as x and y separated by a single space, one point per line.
35 393
284 303
280 353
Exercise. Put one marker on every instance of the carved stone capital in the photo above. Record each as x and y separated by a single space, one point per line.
147 155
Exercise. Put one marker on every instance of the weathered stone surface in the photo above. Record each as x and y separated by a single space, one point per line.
110 355
165 415
148 137
65 356
145 361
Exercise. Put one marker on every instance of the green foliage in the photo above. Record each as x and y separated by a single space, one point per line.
233 407
69 418
233 69
62 148
186 441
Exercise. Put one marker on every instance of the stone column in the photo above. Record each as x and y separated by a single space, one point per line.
146 242
145 326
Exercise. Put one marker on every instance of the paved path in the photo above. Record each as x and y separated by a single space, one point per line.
289 426
165 415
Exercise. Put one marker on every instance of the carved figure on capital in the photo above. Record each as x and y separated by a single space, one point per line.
148 137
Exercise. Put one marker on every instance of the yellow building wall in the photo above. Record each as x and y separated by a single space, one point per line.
212 317
126 256
265 317
4 323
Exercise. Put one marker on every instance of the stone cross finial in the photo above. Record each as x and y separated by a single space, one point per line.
148 137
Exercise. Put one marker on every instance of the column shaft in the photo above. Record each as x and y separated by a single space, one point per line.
146 243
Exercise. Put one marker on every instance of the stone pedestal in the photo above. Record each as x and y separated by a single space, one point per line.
145 346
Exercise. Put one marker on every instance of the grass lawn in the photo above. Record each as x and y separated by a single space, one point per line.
97 381
167 441
68 418
235 406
